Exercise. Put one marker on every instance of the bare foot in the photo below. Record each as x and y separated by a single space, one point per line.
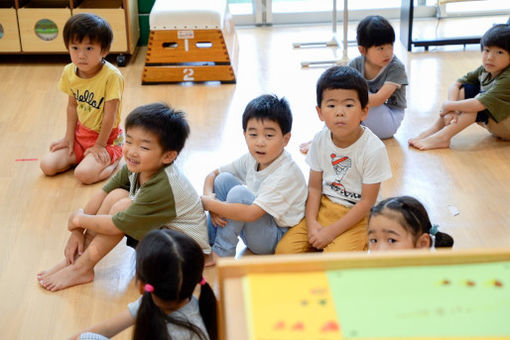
438 125
305 147
69 276
54 269
432 142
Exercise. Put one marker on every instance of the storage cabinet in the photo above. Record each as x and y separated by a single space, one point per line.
41 23
9 34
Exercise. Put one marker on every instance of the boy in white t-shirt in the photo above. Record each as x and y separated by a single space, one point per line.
347 165
261 194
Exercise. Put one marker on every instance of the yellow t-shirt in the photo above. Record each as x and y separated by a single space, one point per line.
92 93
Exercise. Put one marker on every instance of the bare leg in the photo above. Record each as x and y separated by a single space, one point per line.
211 259
96 247
437 126
55 162
60 265
441 139
82 270
91 171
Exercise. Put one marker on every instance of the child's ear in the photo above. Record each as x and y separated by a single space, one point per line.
169 156
141 286
362 50
286 138
364 112
423 241
105 52
319 112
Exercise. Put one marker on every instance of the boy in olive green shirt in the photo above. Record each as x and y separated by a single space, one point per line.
147 193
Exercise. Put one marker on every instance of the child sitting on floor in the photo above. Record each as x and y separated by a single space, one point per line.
169 266
93 139
481 96
147 193
347 162
261 194
403 223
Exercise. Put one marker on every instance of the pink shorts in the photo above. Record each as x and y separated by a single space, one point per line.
85 138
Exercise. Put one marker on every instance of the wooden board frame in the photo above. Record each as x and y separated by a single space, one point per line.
231 317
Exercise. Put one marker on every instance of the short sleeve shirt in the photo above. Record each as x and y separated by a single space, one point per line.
92 93
345 170
280 189
166 199
494 92
190 312
393 73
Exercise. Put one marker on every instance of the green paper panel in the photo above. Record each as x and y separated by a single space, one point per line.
423 301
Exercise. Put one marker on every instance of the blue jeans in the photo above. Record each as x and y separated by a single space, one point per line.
260 236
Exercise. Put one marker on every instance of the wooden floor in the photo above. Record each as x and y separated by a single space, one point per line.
472 177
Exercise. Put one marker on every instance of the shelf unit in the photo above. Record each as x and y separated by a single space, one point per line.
35 26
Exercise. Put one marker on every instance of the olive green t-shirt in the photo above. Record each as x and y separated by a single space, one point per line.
494 92
166 199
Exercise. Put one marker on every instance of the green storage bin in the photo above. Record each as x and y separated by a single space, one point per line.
145 6
143 19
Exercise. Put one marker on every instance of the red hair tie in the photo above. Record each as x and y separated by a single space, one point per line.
149 288
203 281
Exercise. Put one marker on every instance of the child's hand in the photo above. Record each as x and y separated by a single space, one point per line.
313 229
450 118
62 144
322 238
73 221
217 220
447 108
74 246
99 152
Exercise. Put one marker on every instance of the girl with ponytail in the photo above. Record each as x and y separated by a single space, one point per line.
403 223
169 266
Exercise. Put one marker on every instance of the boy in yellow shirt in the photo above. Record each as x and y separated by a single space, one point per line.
93 139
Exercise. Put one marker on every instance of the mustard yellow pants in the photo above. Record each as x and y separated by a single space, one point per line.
295 239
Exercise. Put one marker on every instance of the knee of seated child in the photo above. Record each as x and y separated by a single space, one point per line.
120 205
240 194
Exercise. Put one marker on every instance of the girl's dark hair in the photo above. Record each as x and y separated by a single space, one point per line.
88 25
411 214
168 124
342 77
497 36
374 30
173 264
268 106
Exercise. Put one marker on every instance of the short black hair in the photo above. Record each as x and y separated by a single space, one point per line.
89 25
168 124
374 30
342 77
497 36
268 106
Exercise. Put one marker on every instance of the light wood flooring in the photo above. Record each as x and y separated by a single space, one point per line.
472 177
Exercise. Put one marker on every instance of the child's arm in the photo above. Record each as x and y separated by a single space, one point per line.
111 327
361 209
381 96
216 219
470 105
313 203
99 149
101 224
233 211
75 243
72 119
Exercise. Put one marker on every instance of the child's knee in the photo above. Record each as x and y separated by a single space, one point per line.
240 194
47 167
120 205
85 176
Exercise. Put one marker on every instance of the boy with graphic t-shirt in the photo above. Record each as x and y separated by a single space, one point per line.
93 139
347 165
